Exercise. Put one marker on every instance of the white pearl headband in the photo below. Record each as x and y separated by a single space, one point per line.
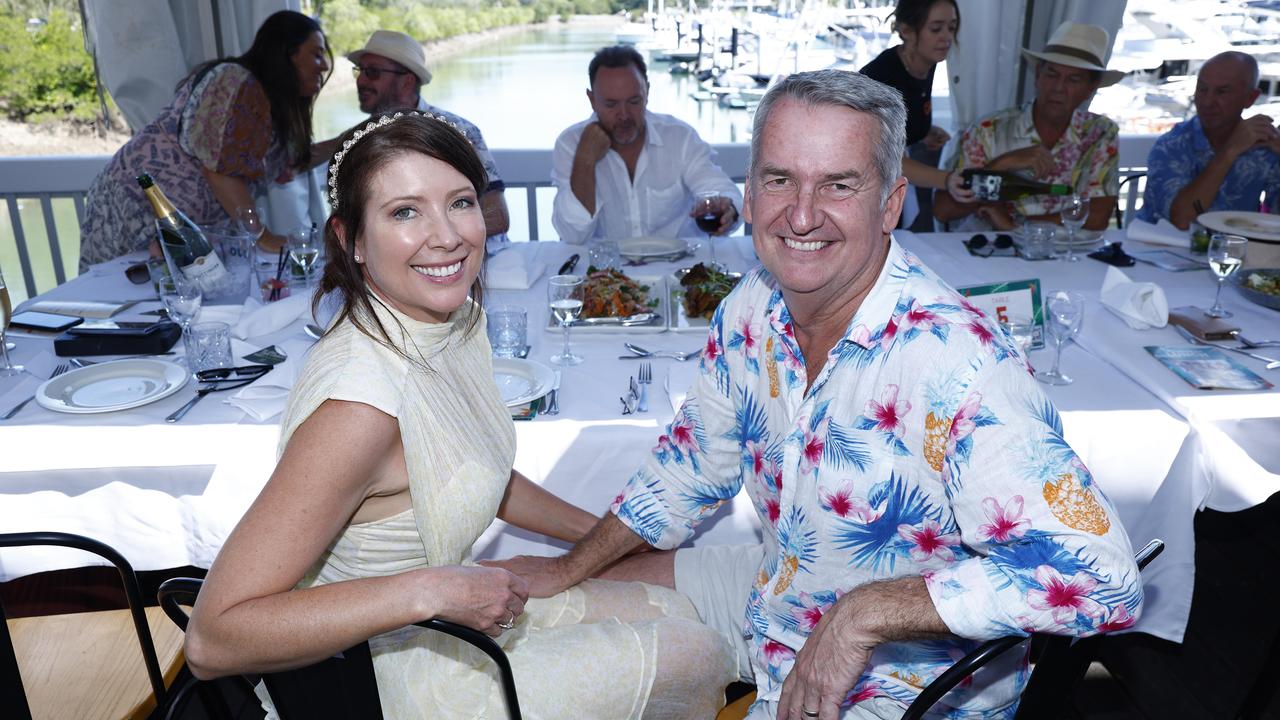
368 128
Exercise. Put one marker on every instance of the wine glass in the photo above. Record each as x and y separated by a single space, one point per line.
1226 254
564 293
1022 329
249 222
708 208
182 299
7 368
1063 319
1075 210
304 250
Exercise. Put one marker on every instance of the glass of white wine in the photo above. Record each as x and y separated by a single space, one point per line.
249 222
564 293
1075 210
1226 255
7 368
303 250
1063 319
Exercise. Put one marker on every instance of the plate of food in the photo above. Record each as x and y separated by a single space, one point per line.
1253 225
641 249
613 301
111 386
521 381
1260 285
695 293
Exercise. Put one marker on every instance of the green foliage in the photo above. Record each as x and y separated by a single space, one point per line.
45 73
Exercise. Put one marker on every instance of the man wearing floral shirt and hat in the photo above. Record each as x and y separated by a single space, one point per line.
1053 139
390 71
915 492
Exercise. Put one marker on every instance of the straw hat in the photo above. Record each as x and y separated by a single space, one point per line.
398 47
1080 46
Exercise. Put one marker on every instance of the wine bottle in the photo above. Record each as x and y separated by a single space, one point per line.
184 244
990 185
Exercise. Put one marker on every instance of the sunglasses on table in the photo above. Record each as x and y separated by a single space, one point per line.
138 273
373 72
980 246
243 375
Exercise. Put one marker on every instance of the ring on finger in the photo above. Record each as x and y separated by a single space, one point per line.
511 622
808 713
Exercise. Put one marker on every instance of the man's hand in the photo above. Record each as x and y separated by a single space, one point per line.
936 138
827 667
955 187
593 144
721 205
545 575
1250 133
1034 158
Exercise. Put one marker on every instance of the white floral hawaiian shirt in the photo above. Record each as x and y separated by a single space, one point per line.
924 447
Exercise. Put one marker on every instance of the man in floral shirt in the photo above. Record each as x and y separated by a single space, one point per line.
1053 139
914 489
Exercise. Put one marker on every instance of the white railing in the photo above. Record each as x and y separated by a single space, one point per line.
34 191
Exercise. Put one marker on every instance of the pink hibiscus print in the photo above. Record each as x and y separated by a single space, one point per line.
773 509
920 317
971 308
928 541
890 332
865 691
889 412
1064 598
861 335
980 330
750 344
811 451
809 612
1117 619
711 351
842 503
962 425
682 434
1003 523
756 452
776 653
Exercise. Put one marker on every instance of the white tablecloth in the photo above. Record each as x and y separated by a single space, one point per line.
167 495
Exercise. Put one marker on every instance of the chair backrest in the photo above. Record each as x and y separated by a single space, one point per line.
344 685
1053 659
12 695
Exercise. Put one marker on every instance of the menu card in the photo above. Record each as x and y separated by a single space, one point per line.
1208 368
81 308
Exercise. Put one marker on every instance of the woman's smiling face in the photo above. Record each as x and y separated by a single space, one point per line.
422 240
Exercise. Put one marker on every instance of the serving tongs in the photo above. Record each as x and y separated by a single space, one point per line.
217 380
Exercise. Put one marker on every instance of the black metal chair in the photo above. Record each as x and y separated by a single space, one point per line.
342 686
1056 667
13 694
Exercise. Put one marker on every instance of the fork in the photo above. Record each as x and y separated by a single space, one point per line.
1272 363
14 410
646 377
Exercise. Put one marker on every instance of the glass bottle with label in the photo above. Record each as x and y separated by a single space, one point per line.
185 247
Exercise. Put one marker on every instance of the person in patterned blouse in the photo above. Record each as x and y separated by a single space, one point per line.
1054 138
1216 159
915 493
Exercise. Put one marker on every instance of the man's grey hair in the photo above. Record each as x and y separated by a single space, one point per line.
1252 74
842 88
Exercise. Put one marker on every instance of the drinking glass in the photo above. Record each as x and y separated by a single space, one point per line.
564 293
1022 329
1065 313
208 346
303 250
507 330
1226 255
7 368
248 220
1075 210
182 299
708 207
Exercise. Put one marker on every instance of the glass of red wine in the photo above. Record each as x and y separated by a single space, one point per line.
708 208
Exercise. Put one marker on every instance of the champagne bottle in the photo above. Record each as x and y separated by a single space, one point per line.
990 185
184 244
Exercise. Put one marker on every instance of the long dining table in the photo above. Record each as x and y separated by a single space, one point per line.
168 494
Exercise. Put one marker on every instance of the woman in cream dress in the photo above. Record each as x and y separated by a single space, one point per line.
396 454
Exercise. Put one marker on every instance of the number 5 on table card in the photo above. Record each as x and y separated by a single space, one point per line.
1002 300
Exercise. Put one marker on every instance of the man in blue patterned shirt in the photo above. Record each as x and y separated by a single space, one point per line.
915 492
1215 159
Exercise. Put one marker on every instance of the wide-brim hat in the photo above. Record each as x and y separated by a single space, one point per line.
1080 46
398 47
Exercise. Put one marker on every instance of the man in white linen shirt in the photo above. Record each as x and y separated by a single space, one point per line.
627 172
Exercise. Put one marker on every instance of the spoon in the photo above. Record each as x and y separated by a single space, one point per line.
637 319
639 352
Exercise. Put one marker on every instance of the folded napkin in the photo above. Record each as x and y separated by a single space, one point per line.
258 319
1162 233
513 269
680 377
229 314
266 397
1141 305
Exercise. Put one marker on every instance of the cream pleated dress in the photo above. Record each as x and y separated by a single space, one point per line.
598 650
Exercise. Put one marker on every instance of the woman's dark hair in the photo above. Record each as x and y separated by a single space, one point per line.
270 59
914 13
407 134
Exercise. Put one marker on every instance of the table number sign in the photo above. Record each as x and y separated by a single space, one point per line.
1016 297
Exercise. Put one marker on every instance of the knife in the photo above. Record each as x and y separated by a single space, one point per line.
568 265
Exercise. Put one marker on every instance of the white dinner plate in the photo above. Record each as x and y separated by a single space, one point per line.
1253 225
658 324
1083 238
111 386
521 381
646 248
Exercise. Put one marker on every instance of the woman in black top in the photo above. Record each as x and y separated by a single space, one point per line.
928 29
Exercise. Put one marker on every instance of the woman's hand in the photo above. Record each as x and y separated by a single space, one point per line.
936 138
483 598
